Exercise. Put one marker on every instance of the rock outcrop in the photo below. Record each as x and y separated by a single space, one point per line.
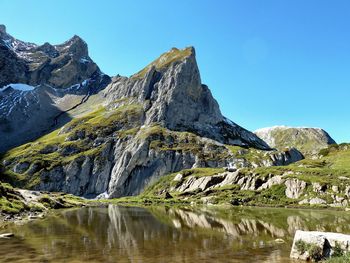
295 188
316 246
17 203
306 140
255 186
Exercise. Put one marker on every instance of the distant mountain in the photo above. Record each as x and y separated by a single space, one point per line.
306 140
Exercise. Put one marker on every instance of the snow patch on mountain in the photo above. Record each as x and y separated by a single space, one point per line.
282 127
18 86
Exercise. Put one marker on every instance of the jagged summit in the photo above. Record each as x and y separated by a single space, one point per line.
307 140
59 66
39 84
166 59
76 46
177 99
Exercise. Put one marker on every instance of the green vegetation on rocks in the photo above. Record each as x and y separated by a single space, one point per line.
165 60
162 139
339 259
23 165
306 140
326 182
15 201
10 203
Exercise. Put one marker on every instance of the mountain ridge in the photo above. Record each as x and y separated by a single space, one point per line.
116 136
134 130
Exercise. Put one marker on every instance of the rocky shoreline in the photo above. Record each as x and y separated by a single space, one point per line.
19 205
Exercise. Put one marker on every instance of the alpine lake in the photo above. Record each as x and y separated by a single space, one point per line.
165 234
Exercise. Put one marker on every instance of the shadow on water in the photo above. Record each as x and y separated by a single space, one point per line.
160 234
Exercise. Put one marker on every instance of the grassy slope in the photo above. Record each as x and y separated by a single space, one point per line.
9 201
340 259
123 121
306 141
64 145
329 168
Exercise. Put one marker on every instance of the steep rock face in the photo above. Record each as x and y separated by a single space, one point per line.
306 140
178 100
40 83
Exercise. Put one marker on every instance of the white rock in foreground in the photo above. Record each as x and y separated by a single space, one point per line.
323 242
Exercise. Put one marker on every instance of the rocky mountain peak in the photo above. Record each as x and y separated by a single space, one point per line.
59 66
48 49
166 59
75 46
59 77
176 98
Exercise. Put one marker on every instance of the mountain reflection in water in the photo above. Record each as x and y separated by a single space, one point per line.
162 234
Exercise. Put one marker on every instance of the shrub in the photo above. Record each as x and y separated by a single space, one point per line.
301 246
315 252
324 152
337 250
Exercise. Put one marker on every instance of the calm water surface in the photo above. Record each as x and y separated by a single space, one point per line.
160 234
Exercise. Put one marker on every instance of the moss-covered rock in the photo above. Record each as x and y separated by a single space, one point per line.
15 201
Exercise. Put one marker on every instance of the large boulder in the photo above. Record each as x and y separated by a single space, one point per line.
295 188
313 245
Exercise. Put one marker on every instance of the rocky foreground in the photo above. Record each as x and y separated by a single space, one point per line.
318 246
21 205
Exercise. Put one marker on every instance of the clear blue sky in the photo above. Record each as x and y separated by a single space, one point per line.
267 62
